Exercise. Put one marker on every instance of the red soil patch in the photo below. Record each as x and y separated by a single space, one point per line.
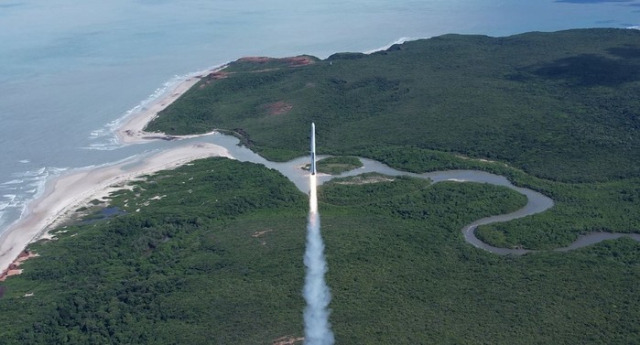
299 61
213 77
288 340
278 108
14 269
218 75
293 61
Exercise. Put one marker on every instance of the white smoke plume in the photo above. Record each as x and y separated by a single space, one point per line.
317 329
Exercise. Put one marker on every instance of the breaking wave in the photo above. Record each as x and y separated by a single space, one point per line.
105 136
383 48
16 194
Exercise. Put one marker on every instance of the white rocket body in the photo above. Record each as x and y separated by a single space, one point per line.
313 149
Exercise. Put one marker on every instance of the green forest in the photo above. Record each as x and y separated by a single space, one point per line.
220 262
554 112
337 165
561 106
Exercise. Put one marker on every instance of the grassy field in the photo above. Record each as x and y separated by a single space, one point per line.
221 263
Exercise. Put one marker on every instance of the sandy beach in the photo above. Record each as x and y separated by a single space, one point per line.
132 129
64 194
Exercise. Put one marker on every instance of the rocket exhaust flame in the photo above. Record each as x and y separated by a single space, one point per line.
317 329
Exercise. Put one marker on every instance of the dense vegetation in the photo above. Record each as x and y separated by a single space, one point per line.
579 207
337 165
211 252
561 106
220 262
556 112
202 265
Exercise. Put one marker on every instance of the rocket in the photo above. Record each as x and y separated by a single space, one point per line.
313 149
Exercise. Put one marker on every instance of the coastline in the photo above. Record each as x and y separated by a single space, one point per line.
131 130
66 193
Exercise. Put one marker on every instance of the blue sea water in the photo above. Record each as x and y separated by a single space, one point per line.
70 69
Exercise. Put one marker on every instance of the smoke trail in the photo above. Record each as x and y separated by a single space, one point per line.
317 329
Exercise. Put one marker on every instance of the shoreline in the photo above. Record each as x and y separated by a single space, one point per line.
131 130
64 194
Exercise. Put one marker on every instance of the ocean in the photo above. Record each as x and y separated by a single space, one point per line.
71 71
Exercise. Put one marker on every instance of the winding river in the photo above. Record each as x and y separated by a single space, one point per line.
536 202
